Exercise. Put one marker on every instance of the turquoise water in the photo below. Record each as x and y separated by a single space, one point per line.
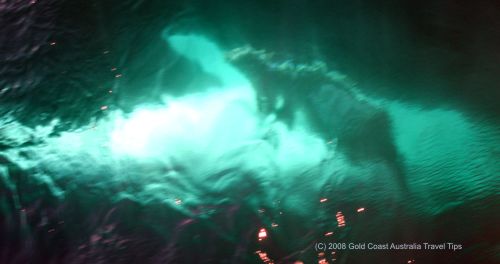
186 147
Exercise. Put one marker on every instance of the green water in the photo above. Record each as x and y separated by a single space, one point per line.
190 161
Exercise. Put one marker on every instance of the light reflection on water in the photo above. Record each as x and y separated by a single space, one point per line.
220 164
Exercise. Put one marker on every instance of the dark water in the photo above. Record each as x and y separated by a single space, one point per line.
249 132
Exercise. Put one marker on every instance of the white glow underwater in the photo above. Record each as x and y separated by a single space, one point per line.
215 130
207 123
196 122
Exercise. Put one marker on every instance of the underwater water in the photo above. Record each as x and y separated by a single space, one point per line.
247 132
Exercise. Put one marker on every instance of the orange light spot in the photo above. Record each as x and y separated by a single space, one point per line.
340 219
263 256
262 234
